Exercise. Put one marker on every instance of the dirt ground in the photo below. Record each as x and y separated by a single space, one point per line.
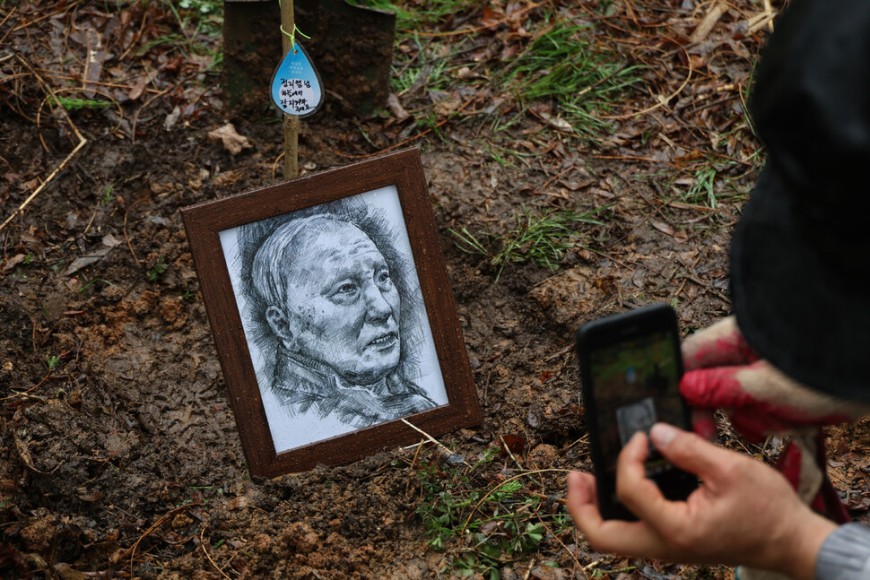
120 455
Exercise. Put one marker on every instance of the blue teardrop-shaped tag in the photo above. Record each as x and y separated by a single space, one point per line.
296 84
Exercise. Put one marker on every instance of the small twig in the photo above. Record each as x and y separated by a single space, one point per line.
708 22
627 158
2 22
156 525
414 463
62 165
528 573
768 8
550 181
409 139
561 352
558 539
202 544
60 76
558 500
508 450
275 165
417 449
26 458
662 100
602 80
429 437
139 111
51 176
134 42
127 237
62 9
607 256
691 206
583 439
497 487
44 380
706 287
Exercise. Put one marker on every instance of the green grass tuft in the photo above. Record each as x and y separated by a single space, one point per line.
542 239
562 64
558 65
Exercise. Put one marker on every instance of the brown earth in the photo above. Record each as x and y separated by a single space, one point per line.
120 455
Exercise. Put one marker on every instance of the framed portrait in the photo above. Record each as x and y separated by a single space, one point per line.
332 314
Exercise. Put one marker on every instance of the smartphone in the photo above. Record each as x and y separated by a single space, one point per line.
630 370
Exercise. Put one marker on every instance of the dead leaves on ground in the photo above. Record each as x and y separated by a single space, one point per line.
848 466
127 59
696 59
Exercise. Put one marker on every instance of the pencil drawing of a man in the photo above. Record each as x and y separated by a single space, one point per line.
340 314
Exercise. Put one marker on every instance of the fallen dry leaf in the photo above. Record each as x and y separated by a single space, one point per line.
13 261
396 108
662 227
232 141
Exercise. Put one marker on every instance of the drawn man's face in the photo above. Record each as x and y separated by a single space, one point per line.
342 307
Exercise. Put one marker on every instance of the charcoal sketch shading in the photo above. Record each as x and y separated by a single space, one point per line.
332 309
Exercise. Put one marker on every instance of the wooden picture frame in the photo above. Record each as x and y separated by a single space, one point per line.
332 314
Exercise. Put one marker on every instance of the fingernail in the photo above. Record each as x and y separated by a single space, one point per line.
662 434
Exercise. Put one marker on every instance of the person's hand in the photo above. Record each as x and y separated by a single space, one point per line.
722 372
744 512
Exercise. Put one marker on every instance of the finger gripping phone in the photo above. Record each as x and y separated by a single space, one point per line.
630 370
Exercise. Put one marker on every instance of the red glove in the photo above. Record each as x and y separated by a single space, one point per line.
723 372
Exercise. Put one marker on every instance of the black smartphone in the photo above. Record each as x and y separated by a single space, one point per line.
630 370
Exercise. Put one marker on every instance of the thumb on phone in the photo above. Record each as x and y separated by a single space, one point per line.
685 450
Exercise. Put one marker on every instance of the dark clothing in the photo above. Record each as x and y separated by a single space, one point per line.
304 384
800 247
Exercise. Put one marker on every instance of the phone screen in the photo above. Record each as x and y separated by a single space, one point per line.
635 384
631 368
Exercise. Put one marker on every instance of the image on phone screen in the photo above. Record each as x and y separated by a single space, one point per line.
635 417
635 384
